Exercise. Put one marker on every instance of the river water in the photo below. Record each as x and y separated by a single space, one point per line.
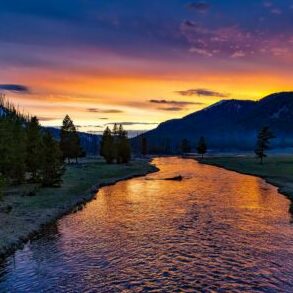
215 231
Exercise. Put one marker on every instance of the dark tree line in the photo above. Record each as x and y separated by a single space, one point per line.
201 146
165 147
26 152
115 145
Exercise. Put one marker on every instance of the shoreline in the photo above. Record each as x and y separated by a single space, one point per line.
282 186
71 205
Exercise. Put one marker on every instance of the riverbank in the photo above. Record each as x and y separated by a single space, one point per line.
276 170
22 217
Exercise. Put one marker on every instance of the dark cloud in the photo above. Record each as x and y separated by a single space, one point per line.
18 88
203 92
178 103
44 119
190 23
199 6
173 109
105 111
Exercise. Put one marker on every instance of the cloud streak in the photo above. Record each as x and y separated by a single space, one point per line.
178 103
172 109
203 92
129 123
17 88
104 111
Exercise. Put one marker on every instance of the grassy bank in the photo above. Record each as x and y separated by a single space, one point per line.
277 170
23 216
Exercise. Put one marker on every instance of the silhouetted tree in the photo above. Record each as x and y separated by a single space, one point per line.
12 147
69 140
263 142
144 146
115 147
51 163
107 146
201 147
123 146
33 147
185 146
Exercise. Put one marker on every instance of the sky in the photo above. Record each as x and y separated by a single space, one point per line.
141 62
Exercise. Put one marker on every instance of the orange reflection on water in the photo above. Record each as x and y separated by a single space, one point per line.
214 230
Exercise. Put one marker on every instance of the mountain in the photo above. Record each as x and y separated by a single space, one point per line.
228 125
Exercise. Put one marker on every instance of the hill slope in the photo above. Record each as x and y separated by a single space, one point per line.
229 125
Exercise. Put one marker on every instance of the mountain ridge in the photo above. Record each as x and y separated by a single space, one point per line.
229 124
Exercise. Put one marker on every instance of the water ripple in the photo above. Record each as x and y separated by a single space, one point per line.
218 231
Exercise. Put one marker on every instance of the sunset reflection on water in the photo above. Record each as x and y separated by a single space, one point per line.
214 230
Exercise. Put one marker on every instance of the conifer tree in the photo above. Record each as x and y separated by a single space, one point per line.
123 151
69 140
115 146
263 142
107 146
51 166
33 147
13 148
201 147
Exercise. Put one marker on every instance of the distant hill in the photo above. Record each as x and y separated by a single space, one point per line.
89 142
228 125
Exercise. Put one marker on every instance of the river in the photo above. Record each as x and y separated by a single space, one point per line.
215 231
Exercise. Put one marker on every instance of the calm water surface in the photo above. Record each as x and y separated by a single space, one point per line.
216 231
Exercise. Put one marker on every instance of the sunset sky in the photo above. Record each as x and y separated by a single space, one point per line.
141 62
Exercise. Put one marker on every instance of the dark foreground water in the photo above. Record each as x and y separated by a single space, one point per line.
216 231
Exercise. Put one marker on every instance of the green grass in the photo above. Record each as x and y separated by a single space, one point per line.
28 214
277 170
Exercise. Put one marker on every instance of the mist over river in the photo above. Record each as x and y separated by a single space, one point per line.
216 230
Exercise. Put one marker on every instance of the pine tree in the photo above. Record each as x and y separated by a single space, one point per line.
69 140
12 143
123 146
115 147
12 148
33 147
51 165
201 147
107 146
263 142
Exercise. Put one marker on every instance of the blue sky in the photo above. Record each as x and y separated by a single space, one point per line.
242 49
